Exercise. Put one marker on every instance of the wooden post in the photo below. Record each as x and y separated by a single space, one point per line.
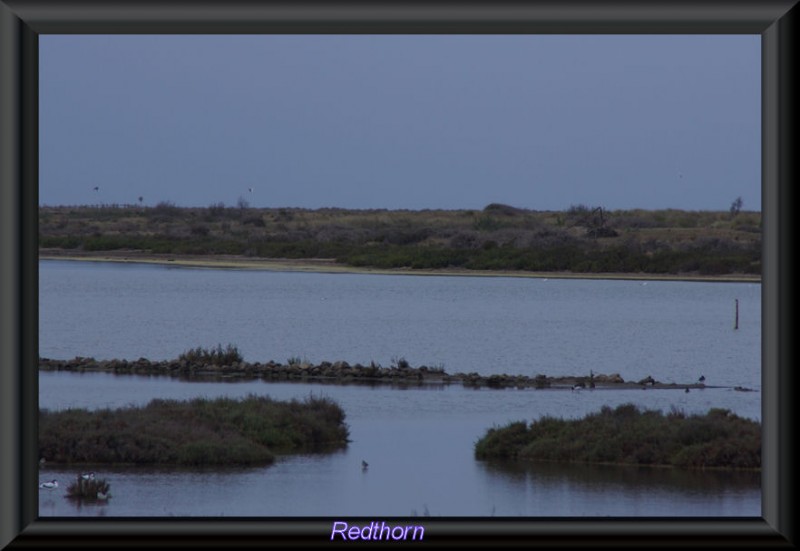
736 324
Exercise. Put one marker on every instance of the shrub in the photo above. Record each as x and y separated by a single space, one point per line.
628 435
166 209
223 431
501 209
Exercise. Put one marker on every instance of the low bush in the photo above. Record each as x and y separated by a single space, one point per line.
581 239
222 431
628 435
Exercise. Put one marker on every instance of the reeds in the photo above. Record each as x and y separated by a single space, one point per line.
89 489
214 356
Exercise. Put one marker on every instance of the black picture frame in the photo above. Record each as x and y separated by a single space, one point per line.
22 21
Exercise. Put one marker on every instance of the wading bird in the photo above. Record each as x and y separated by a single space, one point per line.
87 476
52 485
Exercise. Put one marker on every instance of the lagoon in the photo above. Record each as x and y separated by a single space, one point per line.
418 441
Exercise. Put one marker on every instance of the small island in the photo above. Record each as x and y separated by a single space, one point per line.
628 435
198 432
227 364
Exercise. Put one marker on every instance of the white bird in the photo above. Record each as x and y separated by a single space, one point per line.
52 485
87 476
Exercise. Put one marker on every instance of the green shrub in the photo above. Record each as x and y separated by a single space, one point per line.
222 431
628 435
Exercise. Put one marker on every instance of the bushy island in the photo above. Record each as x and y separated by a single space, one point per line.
197 432
629 435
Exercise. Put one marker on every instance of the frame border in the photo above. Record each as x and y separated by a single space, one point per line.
21 23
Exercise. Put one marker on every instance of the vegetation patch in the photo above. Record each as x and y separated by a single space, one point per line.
198 432
90 489
582 239
214 356
628 435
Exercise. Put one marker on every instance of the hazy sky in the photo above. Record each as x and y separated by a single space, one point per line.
540 122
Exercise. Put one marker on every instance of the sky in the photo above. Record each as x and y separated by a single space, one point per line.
541 122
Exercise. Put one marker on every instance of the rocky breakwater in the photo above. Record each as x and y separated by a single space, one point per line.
342 372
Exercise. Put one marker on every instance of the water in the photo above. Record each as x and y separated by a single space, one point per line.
419 442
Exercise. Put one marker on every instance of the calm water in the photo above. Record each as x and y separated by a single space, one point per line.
419 442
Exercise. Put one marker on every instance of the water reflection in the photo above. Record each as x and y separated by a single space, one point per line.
553 489
609 476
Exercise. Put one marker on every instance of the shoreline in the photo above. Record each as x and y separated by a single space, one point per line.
324 265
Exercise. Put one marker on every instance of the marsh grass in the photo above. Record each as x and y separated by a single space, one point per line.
198 432
214 356
628 435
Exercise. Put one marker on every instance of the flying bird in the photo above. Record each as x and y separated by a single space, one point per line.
364 465
96 188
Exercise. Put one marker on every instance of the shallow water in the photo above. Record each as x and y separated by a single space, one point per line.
418 441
